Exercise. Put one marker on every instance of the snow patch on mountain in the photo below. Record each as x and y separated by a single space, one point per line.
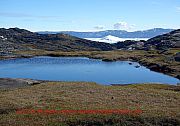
2 37
113 39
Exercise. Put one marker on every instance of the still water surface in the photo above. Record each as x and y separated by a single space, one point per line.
81 69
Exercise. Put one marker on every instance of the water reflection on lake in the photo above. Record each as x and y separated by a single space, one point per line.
81 69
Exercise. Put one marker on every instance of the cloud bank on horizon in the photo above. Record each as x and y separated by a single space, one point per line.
94 15
123 26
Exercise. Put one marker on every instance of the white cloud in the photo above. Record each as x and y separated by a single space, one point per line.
99 27
155 3
178 9
123 26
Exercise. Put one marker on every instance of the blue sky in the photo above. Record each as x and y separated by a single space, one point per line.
89 15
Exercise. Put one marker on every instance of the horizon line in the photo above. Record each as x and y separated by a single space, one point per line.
88 30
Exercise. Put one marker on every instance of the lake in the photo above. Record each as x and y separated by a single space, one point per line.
81 69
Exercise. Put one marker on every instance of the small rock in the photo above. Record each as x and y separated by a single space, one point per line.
137 66
178 76
177 57
107 60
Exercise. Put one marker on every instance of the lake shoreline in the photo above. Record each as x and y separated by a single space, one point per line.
160 67
13 83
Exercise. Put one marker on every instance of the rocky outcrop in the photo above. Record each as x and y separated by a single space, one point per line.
160 68
169 40
15 83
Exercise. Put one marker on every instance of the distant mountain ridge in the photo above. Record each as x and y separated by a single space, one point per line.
117 33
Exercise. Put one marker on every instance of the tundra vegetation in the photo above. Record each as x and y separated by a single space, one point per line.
159 103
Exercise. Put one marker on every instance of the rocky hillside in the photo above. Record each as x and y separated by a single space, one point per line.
169 40
20 39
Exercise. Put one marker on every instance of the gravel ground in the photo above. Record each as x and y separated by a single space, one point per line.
16 83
